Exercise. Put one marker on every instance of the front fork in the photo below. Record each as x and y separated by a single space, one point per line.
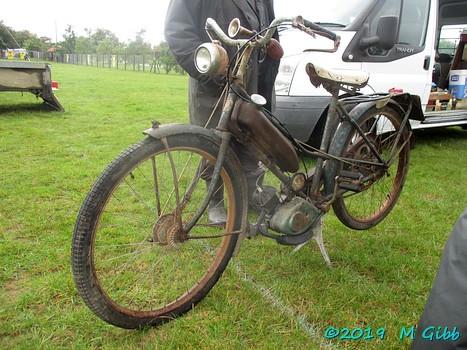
226 136
214 180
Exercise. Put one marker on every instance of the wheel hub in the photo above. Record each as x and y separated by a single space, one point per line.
161 228
173 237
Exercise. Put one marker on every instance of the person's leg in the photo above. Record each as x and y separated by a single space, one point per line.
202 102
254 174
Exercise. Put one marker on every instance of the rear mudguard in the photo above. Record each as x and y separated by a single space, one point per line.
405 101
402 103
160 131
416 112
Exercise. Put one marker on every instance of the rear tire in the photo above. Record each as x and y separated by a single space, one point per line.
365 209
131 263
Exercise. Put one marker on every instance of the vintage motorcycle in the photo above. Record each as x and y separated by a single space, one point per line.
144 250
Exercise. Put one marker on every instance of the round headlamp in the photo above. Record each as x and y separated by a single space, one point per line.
211 59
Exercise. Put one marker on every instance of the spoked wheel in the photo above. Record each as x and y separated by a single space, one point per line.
375 186
133 263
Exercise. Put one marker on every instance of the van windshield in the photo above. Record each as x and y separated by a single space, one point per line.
329 12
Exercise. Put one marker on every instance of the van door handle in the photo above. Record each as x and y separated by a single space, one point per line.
426 64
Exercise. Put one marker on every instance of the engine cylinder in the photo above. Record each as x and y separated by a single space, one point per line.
294 217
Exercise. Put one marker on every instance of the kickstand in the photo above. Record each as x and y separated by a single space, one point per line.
318 236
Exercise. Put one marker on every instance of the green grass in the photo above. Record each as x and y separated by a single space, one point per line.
268 298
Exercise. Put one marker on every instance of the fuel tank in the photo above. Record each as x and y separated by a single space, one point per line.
248 124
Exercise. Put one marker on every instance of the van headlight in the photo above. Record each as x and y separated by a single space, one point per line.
211 59
285 75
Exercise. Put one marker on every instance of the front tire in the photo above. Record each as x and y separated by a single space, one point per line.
131 263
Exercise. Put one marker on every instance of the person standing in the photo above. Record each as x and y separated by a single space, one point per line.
443 323
184 32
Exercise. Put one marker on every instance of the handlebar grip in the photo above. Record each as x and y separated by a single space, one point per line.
321 30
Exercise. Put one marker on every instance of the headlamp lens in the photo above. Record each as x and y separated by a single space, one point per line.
203 60
211 59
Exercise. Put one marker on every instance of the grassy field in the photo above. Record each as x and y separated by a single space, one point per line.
268 298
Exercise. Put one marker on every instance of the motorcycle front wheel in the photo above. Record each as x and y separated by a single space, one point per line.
133 264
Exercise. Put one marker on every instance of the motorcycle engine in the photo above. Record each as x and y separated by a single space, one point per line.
294 217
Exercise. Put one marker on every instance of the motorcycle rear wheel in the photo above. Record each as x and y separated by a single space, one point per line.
131 262
364 209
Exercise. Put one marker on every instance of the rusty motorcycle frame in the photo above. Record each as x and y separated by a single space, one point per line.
144 251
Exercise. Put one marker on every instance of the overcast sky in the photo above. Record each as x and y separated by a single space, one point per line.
51 17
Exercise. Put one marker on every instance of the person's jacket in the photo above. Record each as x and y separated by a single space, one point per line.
185 31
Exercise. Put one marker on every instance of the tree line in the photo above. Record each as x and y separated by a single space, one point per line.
97 41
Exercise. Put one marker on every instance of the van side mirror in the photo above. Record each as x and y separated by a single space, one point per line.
386 34
387 31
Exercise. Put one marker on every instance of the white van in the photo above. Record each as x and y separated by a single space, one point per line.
396 41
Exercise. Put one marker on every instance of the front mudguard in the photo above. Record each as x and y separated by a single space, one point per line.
161 131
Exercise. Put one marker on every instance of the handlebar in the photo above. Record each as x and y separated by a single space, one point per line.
298 22
320 30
